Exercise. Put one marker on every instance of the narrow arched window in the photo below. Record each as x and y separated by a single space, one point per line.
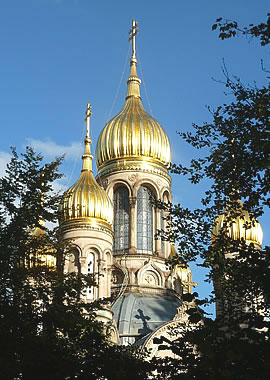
144 220
162 228
90 272
121 219
163 223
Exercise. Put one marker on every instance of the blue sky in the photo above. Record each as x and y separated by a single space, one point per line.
58 54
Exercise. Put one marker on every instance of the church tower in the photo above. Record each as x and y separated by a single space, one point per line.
86 216
133 155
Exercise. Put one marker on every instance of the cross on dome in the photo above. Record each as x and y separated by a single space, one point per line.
133 31
88 113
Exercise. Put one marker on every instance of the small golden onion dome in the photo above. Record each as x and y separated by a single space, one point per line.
86 200
39 259
133 138
182 271
242 227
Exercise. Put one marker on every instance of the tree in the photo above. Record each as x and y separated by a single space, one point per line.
46 330
235 345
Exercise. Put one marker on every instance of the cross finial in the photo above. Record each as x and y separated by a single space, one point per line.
132 34
87 119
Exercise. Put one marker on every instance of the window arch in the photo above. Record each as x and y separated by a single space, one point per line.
121 219
144 220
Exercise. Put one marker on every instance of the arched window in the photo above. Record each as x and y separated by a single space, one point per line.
90 272
121 219
72 261
163 223
144 220
162 228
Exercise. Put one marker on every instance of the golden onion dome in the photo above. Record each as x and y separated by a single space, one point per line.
182 271
240 227
86 200
39 258
133 138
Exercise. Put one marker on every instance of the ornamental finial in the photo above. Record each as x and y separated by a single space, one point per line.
132 37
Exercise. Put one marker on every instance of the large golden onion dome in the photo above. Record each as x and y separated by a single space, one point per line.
86 201
240 227
133 139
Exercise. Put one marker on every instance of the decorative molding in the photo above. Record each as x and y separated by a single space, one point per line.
150 275
150 278
123 167
75 225
105 183
132 177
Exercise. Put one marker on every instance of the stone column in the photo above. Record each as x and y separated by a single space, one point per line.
132 225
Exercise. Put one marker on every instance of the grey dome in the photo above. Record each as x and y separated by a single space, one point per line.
137 314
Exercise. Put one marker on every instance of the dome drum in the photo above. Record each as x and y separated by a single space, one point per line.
134 164
86 224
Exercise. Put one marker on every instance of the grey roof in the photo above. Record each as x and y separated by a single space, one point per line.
137 314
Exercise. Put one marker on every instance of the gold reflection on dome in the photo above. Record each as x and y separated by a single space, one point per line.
86 200
183 271
133 136
241 227
38 259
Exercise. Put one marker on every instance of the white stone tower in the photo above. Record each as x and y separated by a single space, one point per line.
86 216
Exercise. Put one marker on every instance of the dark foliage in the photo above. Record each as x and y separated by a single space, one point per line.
236 159
46 330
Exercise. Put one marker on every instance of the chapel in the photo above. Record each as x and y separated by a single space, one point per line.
113 221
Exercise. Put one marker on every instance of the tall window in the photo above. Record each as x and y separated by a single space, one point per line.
162 228
163 222
121 219
144 220
90 272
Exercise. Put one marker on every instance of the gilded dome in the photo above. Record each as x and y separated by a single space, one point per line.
183 271
242 227
133 138
86 200
40 258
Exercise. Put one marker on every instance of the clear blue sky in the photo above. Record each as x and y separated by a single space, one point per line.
58 54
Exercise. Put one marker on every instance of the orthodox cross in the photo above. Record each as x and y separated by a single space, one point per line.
132 33
87 119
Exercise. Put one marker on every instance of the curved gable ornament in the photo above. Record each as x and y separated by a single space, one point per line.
92 248
150 275
170 330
